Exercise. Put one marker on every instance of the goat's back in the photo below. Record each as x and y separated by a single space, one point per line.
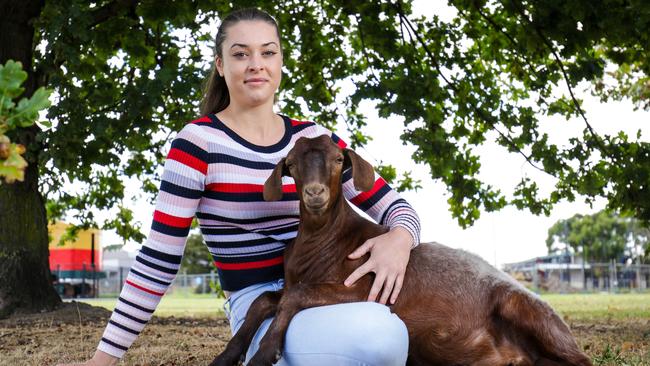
461 310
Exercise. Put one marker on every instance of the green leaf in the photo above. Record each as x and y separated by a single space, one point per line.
11 77
27 110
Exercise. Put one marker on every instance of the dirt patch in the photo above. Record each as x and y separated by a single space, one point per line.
71 334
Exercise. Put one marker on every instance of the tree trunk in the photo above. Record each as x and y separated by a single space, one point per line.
25 279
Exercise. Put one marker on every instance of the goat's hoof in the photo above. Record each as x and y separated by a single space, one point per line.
224 360
265 359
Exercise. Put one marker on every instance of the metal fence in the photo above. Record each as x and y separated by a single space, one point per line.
547 277
112 280
578 277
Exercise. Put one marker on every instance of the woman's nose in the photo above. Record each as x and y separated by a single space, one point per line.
255 64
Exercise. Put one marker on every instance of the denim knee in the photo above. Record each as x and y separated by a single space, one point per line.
378 336
364 333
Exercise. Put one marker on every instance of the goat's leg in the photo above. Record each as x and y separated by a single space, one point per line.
262 308
296 298
536 319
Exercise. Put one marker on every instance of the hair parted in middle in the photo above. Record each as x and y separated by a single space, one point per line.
215 91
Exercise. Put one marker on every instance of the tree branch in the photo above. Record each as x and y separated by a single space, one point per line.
112 9
481 113
508 36
363 49
565 76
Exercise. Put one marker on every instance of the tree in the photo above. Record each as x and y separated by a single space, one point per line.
600 237
196 258
640 241
127 73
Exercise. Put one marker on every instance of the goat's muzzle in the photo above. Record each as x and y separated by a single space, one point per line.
316 196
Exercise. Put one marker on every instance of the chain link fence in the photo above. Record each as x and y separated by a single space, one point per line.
109 283
546 277
579 277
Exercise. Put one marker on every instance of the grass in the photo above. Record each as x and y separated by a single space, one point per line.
175 305
571 306
612 329
601 306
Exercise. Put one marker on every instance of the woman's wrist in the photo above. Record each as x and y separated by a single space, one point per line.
102 358
403 235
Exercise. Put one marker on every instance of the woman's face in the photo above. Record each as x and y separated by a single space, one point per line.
251 63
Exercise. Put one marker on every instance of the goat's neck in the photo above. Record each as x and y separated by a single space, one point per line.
323 241
335 217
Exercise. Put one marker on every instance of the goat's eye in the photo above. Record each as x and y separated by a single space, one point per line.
339 160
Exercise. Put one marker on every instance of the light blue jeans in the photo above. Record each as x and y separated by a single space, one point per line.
360 333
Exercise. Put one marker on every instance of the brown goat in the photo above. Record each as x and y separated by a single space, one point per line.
458 309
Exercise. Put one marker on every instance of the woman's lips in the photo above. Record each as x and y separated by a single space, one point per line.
254 81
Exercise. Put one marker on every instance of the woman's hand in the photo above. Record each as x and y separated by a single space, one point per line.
389 255
99 359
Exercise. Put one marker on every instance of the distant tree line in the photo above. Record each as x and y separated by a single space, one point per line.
601 237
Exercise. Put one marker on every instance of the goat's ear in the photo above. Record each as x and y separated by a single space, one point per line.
273 185
363 176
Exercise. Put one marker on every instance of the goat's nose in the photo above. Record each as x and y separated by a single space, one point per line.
314 190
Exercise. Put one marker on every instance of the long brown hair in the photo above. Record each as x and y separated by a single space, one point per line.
215 91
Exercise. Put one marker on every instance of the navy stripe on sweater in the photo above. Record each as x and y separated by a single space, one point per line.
177 190
245 197
170 230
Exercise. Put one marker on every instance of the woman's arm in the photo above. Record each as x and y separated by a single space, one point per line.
158 261
99 359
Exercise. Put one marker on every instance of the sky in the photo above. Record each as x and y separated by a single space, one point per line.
500 237
509 235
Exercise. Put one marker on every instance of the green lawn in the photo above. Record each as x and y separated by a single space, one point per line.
176 305
601 306
573 306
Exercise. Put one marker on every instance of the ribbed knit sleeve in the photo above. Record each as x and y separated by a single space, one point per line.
382 203
158 260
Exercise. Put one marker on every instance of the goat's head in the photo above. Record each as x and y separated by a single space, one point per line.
316 165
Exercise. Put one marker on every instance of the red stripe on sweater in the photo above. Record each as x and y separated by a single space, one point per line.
249 265
189 160
170 220
144 289
297 123
245 188
202 119
342 144
363 196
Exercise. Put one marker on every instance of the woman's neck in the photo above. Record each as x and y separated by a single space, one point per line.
259 125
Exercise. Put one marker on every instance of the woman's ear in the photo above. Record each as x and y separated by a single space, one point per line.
218 63
273 185
363 176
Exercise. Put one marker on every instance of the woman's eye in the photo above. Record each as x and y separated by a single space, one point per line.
269 53
239 54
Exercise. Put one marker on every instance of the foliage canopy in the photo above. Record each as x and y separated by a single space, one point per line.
128 73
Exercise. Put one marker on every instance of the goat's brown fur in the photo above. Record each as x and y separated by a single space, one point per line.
458 309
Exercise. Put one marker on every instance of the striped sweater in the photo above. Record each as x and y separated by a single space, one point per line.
213 173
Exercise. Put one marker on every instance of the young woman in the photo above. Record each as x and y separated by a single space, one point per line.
215 170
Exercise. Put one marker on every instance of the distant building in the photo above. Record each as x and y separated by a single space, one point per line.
76 258
75 264
565 273
116 264
117 258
